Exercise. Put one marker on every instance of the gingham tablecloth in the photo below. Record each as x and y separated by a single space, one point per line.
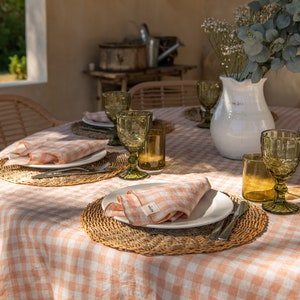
45 255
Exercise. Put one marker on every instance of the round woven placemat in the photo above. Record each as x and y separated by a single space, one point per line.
83 129
167 126
22 175
194 114
152 241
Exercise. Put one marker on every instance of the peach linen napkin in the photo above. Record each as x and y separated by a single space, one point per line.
97 116
161 203
52 152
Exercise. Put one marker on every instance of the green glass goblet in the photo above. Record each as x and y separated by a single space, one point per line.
115 102
133 127
281 155
208 93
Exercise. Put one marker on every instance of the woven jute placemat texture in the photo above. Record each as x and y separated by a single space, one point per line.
193 114
167 126
22 175
152 241
82 129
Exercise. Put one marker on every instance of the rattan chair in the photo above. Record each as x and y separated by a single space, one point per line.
168 93
20 117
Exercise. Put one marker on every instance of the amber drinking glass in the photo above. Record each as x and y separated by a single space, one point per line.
209 92
281 155
133 127
152 155
258 182
115 102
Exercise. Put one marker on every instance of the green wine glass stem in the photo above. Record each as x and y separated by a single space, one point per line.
207 119
280 191
115 141
207 116
132 160
133 173
279 205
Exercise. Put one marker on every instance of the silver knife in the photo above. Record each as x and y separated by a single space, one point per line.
242 208
215 233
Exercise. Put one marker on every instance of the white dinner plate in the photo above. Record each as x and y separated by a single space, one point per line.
80 162
213 207
107 124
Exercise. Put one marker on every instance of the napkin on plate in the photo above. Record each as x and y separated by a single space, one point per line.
52 152
98 116
161 203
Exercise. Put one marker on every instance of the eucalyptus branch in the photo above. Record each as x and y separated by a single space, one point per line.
263 36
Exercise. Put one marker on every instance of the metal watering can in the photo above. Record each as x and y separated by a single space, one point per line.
153 46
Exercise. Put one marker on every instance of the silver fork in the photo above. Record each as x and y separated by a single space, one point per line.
72 171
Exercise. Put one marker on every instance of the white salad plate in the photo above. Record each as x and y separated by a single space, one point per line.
107 124
213 206
80 162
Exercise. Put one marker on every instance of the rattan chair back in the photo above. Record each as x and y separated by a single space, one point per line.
168 93
20 117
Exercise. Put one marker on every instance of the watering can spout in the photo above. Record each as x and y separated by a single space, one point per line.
153 45
170 50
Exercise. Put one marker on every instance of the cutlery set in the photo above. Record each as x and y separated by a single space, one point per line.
218 233
73 171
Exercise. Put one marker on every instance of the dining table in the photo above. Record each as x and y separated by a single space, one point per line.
56 243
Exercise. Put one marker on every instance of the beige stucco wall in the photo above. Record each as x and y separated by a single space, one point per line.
76 27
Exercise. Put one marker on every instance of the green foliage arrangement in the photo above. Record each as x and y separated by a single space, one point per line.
18 66
12 31
264 36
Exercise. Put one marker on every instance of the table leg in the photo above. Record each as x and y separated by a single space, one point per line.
99 94
124 85
181 75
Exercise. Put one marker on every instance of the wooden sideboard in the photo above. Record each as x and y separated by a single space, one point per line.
125 79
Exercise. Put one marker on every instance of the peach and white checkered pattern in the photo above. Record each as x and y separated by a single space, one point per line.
45 255
53 152
166 202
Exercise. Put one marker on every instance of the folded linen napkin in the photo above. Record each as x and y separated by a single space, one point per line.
52 152
158 204
98 116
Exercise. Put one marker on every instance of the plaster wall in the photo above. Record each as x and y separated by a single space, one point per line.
76 27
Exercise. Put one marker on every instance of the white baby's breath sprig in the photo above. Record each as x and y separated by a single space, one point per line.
223 38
